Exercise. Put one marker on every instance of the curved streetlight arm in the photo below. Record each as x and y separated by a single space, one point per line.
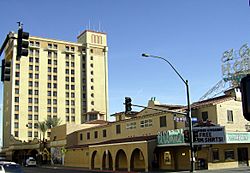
159 57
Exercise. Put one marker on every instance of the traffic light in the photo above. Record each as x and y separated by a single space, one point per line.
186 136
245 96
22 43
128 105
5 75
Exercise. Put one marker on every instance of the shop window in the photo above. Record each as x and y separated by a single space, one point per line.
215 155
229 154
167 158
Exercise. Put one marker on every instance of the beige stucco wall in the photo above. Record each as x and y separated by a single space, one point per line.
77 158
212 113
217 113
206 153
127 133
239 121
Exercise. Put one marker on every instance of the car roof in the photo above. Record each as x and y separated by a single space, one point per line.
8 162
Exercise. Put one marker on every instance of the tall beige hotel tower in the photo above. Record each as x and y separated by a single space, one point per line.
59 79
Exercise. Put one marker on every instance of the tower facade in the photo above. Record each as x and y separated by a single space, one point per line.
66 80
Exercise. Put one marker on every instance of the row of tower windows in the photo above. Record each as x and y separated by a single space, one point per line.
51 46
72 118
30 117
29 125
16 134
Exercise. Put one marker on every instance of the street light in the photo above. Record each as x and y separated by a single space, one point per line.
189 108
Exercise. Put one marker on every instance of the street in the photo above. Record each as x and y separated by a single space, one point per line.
53 170
79 170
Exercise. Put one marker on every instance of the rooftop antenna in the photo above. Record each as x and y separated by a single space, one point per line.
89 25
99 29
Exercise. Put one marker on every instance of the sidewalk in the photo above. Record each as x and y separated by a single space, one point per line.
232 170
80 169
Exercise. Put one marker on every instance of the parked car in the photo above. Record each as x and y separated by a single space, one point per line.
30 162
10 167
2 169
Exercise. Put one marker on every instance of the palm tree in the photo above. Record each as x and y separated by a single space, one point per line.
43 128
53 122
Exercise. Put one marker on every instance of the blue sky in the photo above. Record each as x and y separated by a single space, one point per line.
191 34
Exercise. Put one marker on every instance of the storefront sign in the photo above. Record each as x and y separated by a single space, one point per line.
238 137
209 135
235 64
170 137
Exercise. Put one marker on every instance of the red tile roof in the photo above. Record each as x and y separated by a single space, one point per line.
97 122
113 141
213 101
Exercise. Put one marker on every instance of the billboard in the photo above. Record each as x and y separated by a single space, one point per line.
209 135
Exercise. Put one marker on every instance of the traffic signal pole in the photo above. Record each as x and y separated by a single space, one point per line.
22 42
22 50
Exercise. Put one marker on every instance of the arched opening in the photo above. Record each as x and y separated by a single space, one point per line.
107 162
45 156
121 162
137 161
93 158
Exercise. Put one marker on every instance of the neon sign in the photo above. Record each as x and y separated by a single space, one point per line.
235 64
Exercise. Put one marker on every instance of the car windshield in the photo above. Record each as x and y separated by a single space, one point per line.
12 169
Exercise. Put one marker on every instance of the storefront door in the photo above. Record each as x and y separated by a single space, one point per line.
242 156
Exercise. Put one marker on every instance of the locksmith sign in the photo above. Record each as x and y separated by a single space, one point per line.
209 135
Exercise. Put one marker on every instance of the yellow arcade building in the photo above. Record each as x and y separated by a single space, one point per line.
131 143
